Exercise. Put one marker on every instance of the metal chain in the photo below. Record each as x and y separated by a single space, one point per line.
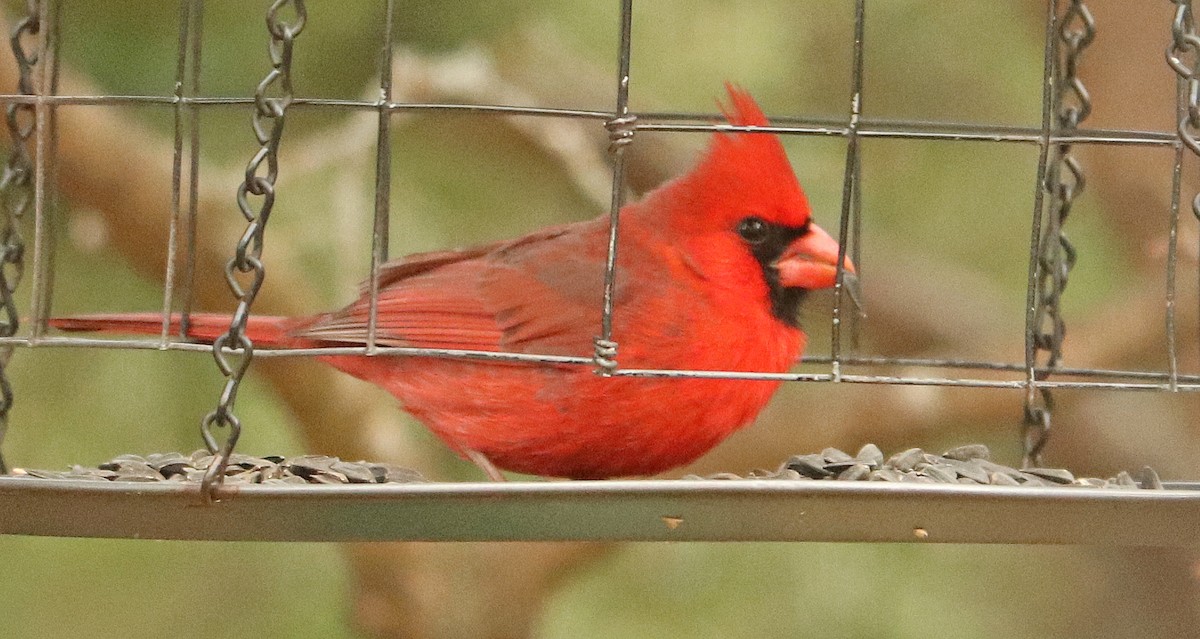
1185 46
271 100
16 193
1056 255
1185 43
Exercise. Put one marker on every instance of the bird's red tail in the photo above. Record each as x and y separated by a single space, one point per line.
202 327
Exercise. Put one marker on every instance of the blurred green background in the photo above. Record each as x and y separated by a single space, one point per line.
460 179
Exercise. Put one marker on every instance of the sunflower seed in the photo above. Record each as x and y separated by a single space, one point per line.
857 472
1001 479
1056 475
941 473
396 474
788 474
968 452
885 474
839 466
809 465
354 473
1124 480
905 461
835 455
725 476
1027 479
43 474
993 467
968 469
1148 479
310 465
871 454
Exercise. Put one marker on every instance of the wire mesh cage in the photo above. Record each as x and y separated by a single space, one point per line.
710 509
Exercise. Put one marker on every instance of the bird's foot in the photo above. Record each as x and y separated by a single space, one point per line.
485 465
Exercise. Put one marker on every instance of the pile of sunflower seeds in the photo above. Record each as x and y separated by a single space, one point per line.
242 469
969 464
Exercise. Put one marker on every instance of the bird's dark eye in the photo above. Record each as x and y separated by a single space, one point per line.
753 230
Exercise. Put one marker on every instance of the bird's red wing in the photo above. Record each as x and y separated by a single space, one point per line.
537 294
438 308
553 310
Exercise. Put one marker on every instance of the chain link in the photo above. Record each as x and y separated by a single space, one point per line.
1056 255
16 193
255 198
1183 54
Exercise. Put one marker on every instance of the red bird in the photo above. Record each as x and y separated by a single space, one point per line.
711 270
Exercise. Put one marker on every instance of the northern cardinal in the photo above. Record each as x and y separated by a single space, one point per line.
711 269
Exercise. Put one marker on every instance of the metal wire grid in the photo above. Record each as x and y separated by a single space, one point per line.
648 510
623 125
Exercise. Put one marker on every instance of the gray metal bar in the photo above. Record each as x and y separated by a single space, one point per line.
180 114
651 510
187 287
1173 257
43 170
383 175
620 137
679 122
1189 383
850 187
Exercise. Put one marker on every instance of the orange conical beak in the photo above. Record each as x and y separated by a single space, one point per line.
811 261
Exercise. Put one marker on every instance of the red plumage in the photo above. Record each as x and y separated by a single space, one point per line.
696 288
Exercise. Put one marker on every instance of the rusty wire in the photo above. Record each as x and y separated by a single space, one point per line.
1065 104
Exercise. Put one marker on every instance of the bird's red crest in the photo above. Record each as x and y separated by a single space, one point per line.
746 111
744 173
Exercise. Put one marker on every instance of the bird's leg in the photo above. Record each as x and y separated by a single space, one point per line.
485 465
